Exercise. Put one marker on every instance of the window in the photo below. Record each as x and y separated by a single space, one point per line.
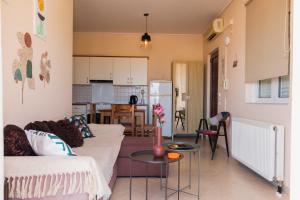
271 91
265 88
284 87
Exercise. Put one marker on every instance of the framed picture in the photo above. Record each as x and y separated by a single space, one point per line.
40 18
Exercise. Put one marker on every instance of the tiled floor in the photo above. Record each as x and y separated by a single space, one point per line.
221 179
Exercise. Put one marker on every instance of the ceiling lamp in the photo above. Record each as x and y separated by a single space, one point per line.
146 38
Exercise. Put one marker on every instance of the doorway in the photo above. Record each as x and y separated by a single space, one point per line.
214 77
187 96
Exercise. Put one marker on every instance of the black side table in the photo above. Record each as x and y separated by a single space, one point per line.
194 148
147 157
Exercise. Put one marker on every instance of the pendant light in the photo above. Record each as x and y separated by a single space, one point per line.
146 38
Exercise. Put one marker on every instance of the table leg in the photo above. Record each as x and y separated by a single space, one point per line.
190 171
198 174
101 118
166 191
130 184
178 187
146 181
143 124
161 170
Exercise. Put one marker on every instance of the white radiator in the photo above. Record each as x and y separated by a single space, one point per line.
259 146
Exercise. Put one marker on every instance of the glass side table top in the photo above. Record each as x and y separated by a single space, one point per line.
146 156
192 147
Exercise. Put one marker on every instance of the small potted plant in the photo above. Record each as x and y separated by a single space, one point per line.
158 149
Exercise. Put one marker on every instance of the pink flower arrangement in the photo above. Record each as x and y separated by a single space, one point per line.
158 110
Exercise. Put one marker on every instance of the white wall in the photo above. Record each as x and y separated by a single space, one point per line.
52 101
235 96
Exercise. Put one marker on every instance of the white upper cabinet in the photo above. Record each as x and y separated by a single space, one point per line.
139 71
121 71
130 71
101 68
81 70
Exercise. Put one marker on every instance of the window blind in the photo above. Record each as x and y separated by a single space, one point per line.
266 39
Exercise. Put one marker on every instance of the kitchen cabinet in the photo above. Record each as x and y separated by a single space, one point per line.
81 70
139 71
121 71
101 68
130 71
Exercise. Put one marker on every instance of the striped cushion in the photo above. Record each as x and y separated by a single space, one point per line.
48 144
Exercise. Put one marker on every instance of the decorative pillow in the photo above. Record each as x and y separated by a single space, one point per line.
48 144
39 126
67 132
80 122
16 143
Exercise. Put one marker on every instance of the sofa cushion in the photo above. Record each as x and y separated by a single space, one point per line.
48 144
80 122
15 142
67 132
37 125
133 144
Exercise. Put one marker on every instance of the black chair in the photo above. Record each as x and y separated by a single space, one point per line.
213 132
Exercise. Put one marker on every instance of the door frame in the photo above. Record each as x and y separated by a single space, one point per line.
173 69
208 81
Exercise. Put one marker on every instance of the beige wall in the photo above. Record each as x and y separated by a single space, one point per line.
165 49
52 101
1 111
274 113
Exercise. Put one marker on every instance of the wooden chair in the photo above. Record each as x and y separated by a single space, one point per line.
125 115
213 132
148 128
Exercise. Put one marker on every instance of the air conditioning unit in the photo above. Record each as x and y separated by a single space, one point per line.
216 28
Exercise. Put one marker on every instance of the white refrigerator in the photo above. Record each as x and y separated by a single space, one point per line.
161 92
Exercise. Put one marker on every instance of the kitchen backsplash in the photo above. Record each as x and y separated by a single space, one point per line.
122 93
82 93
107 93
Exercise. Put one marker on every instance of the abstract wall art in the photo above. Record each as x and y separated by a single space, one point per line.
22 66
40 18
45 67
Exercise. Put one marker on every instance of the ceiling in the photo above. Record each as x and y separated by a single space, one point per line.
126 16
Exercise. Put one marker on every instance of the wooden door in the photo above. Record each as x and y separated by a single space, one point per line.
81 70
101 68
139 71
194 95
214 77
121 71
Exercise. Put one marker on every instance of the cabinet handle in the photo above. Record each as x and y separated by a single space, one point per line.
87 80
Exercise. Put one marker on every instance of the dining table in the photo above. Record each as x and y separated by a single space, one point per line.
138 113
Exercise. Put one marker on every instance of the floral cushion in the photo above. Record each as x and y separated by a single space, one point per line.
81 123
